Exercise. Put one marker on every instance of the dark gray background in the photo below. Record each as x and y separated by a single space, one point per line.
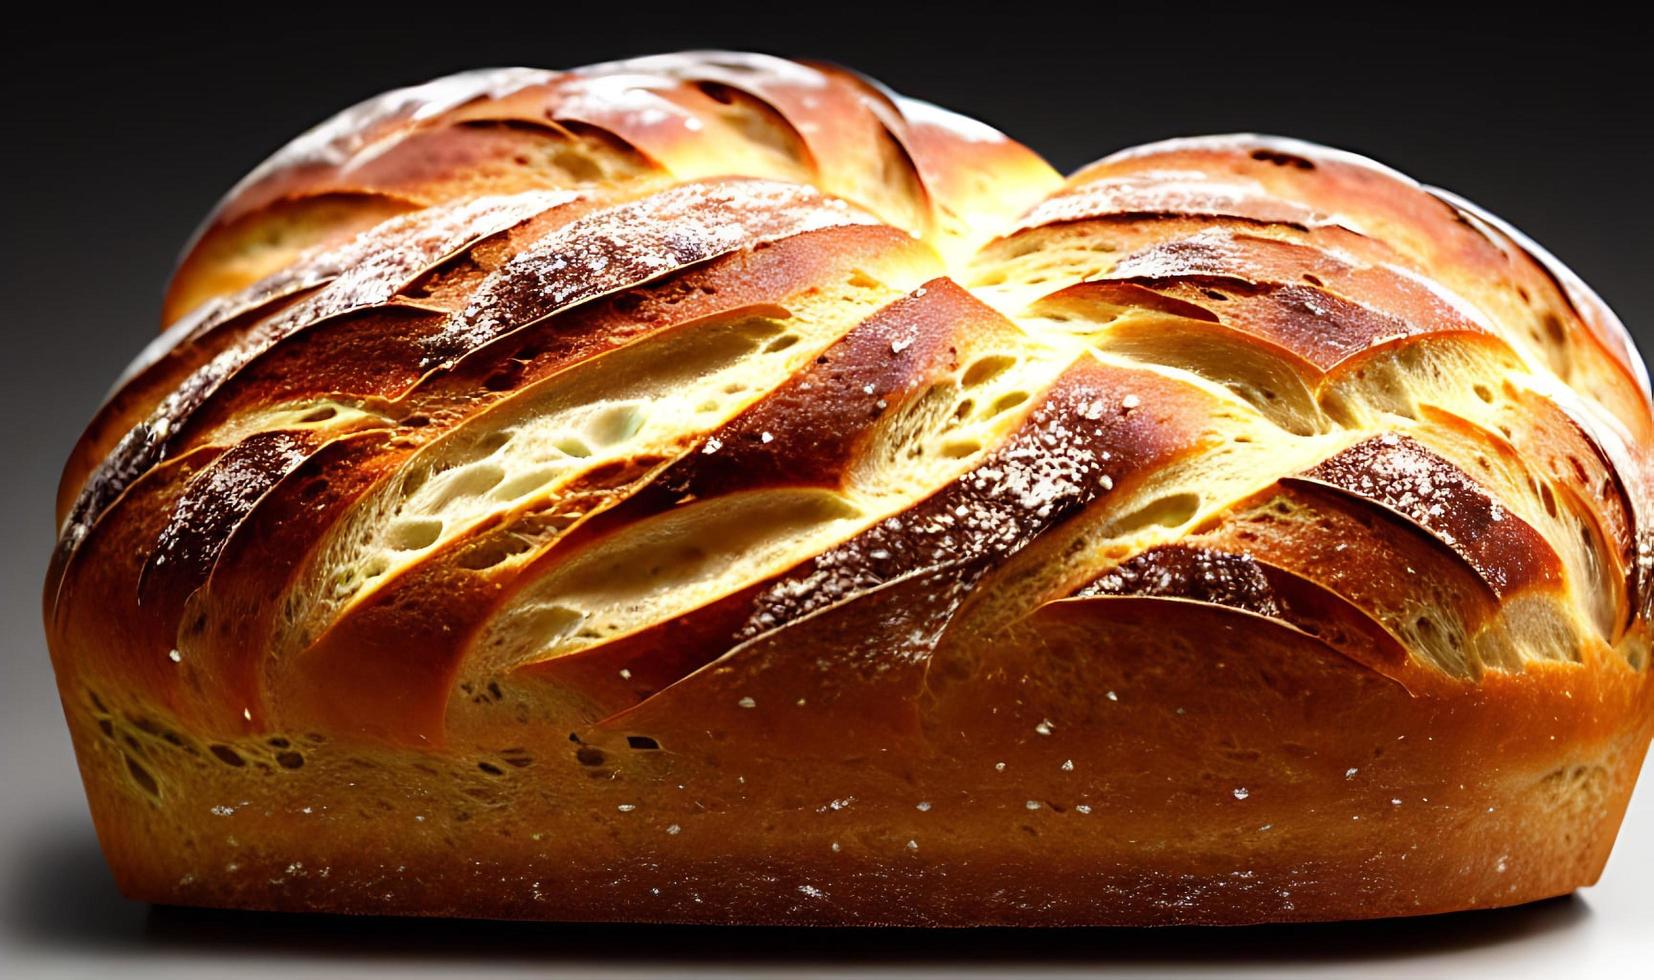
118 137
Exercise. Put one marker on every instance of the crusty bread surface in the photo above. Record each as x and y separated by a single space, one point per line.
712 488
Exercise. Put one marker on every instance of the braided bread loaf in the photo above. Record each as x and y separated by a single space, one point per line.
712 488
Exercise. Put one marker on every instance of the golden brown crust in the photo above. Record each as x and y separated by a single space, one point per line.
713 488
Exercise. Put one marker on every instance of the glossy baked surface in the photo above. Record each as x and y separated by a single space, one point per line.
712 488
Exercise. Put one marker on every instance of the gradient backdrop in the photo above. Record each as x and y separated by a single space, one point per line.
118 138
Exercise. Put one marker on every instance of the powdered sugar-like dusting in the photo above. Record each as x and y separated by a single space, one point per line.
623 99
1179 571
622 246
386 260
1402 475
726 66
922 113
396 241
1152 194
1049 469
217 498
334 141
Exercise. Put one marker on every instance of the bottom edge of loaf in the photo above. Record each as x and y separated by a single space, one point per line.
1143 904
1280 791
982 871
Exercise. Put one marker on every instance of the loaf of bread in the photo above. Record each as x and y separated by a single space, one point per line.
712 488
